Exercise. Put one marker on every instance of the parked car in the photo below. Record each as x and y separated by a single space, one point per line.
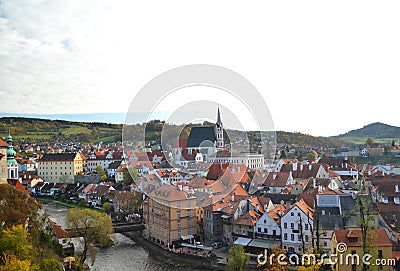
218 244
199 244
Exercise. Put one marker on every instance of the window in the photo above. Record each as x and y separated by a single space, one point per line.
298 214
292 237
380 254
285 236
285 225
189 222
298 237
179 214
265 221
292 226
325 244
179 204
306 238
298 226
265 230
306 227
292 214
259 229
179 233
188 213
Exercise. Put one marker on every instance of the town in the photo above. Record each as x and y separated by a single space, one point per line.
196 199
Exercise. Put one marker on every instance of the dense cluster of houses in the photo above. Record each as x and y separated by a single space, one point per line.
232 198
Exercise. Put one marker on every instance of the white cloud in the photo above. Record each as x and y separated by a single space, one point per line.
323 68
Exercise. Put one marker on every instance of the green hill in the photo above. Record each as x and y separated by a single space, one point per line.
379 132
58 130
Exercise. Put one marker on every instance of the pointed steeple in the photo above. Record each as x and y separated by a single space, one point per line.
219 122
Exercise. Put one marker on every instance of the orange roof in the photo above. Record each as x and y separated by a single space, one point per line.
3 143
381 239
305 208
277 213
18 186
249 219
169 193
199 182
59 231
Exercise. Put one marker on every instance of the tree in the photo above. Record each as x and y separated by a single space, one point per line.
311 156
12 263
50 265
93 227
106 207
369 142
99 169
129 175
366 209
14 241
237 258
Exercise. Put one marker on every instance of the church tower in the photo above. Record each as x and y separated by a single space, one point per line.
219 132
12 164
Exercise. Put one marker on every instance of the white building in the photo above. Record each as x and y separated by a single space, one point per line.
269 225
297 228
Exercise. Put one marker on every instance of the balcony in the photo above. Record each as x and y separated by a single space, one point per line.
260 235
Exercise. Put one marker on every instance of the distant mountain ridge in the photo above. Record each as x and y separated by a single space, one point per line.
374 130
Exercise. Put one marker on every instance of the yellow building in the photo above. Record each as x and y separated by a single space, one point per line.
170 213
347 245
60 167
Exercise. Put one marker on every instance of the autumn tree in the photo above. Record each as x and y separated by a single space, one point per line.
93 227
366 209
237 258
12 263
14 241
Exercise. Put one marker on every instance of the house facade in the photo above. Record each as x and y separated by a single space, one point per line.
60 167
170 213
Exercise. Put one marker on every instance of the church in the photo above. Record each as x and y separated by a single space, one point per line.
203 142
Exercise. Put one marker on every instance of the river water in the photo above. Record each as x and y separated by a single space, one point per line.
125 255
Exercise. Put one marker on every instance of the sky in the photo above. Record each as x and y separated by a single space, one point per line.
323 68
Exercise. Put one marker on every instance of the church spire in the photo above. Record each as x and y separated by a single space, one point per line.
219 132
219 122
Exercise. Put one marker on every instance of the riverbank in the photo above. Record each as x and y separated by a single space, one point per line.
170 259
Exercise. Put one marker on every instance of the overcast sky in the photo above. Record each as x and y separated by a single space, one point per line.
322 67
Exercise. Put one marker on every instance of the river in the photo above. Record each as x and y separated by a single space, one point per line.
124 255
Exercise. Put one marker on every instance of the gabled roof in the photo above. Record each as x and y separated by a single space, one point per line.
199 135
277 213
216 170
248 219
277 179
379 236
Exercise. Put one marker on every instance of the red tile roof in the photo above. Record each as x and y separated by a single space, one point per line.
59 231
18 186
3 143
381 239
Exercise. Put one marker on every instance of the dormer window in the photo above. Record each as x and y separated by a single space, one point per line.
353 239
